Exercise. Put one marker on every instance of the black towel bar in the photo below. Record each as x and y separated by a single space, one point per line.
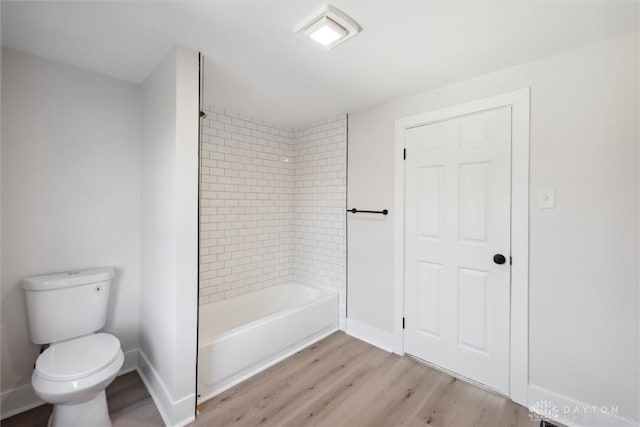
354 210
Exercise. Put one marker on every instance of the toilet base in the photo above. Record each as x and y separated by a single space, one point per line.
93 412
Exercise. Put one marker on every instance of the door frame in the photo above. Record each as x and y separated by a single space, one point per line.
519 316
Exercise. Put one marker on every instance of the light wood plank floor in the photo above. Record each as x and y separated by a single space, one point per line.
130 405
337 382
341 381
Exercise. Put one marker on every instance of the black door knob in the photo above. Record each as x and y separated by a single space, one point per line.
499 259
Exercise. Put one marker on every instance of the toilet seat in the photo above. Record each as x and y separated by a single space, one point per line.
77 370
78 358
75 391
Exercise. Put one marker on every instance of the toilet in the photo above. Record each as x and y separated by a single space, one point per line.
65 310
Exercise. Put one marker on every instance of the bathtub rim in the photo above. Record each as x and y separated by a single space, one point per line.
323 295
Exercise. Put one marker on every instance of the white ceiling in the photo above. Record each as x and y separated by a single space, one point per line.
256 66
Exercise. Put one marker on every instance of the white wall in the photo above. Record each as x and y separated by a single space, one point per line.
168 311
70 193
583 255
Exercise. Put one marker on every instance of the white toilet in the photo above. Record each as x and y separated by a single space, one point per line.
65 310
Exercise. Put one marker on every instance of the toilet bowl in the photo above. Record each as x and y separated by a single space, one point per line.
73 375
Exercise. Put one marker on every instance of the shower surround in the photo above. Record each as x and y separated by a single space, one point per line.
273 203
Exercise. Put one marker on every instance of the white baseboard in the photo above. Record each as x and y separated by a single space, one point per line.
175 413
156 387
574 413
370 334
130 362
23 398
17 400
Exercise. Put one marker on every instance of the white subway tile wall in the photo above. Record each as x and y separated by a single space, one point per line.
245 206
319 204
272 205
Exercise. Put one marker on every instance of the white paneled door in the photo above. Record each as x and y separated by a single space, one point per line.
457 225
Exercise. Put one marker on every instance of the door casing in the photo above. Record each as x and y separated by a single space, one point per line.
519 316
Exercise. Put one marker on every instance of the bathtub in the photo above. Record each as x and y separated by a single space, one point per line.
243 335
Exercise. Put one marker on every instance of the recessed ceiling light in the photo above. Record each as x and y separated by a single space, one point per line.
326 31
328 27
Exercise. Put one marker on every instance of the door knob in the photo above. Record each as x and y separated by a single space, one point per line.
499 259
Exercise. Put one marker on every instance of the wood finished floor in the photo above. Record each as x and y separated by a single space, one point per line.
341 381
337 382
130 405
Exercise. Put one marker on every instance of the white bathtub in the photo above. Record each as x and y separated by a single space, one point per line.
243 335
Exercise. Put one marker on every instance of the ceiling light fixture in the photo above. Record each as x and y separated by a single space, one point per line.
327 27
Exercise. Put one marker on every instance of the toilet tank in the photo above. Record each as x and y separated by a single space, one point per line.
66 305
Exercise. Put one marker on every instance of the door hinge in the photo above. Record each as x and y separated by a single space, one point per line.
404 154
403 323
510 260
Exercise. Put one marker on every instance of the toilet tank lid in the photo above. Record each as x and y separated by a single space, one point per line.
67 279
